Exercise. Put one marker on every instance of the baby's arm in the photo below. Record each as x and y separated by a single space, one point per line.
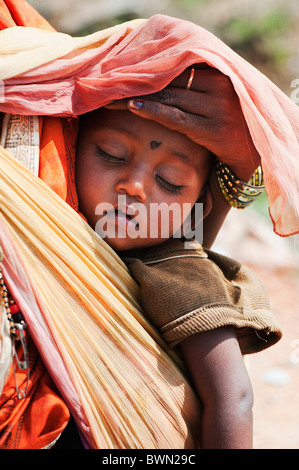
221 380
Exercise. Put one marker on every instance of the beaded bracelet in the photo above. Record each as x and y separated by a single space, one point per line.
237 193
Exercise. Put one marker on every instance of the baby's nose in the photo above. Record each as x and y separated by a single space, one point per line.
133 187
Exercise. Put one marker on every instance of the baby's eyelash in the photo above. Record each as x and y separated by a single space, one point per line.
172 188
109 158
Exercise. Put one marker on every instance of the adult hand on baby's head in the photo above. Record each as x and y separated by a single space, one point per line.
209 113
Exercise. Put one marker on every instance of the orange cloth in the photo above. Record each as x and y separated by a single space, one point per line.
57 156
37 420
20 13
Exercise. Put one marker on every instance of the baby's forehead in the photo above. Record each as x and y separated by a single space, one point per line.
125 121
114 125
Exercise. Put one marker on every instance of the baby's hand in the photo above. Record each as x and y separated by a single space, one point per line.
209 114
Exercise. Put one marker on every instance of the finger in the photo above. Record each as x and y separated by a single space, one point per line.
186 100
182 80
196 127
208 79
208 86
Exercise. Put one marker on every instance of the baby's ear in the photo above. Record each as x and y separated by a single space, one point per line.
206 199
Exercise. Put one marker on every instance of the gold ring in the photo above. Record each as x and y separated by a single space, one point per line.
190 79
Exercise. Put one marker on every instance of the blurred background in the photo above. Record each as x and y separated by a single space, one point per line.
266 33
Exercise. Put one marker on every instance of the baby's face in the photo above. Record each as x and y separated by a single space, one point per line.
125 167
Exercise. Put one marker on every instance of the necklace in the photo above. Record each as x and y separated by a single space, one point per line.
17 328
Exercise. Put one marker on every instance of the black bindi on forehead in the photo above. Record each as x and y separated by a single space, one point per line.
155 144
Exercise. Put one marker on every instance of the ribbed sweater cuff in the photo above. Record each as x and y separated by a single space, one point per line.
214 316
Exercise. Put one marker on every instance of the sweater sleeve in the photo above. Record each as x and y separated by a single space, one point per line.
184 294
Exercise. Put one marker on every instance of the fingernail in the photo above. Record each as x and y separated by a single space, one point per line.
135 104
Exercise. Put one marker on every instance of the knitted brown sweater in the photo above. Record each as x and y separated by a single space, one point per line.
187 291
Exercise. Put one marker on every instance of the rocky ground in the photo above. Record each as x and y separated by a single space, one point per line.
274 372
